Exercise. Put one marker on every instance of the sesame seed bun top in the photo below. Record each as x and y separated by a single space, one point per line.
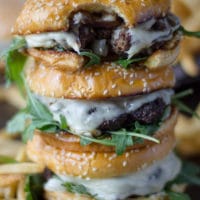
52 15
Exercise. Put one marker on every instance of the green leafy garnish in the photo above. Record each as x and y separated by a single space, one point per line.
15 62
94 59
63 123
35 116
177 196
126 62
189 33
183 94
34 187
181 106
6 160
77 189
190 174
123 138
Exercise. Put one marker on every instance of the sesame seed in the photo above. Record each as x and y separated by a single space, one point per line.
124 163
109 165
105 92
94 169
119 93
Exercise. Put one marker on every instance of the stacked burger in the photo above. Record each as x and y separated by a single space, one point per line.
100 71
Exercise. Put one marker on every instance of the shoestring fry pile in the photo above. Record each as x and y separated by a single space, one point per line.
14 164
188 11
188 129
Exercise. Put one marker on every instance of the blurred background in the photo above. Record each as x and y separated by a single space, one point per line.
187 71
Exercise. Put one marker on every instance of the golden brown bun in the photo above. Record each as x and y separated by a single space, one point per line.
45 15
99 81
101 164
60 60
72 62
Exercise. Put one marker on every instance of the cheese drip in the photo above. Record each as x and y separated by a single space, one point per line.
147 181
84 116
142 37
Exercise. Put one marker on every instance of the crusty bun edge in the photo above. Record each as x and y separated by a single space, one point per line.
101 81
55 13
98 164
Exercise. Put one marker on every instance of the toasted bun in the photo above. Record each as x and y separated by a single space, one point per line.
100 164
44 15
72 62
99 81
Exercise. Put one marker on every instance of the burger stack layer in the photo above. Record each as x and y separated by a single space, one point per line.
101 72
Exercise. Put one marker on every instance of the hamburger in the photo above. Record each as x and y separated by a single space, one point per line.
99 91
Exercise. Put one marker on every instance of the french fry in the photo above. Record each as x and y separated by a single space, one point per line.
6 180
9 147
188 11
12 96
21 155
8 192
188 60
187 132
21 168
20 190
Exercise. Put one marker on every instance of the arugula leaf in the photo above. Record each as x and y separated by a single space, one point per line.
63 123
87 140
181 106
34 187
18 123
190 173
77 189
189 33
16 44
6 160
184 108
182 94
35 116
123 138
177 196
15 62
37 109
84 141
166 113
94 59
121 142
126 62
46 126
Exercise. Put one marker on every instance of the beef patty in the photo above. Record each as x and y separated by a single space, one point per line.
149 113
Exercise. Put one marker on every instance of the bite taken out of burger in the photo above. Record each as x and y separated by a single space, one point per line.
100 112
